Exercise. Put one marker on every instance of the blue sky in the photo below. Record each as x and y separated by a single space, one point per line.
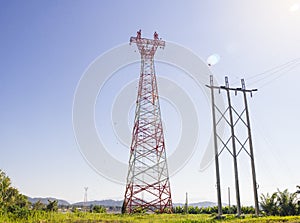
45 47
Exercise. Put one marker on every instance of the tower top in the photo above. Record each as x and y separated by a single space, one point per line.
147 47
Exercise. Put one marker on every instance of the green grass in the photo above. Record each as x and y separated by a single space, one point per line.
46 217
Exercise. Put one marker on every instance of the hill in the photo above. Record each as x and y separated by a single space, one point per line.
198 204
106 203
45 200
110 202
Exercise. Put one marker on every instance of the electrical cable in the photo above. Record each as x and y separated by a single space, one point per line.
277 70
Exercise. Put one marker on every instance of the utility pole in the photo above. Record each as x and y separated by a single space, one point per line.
234 138
216 148
229 206
251 150
186 205
234 154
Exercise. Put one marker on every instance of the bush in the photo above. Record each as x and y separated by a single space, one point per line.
281 203
138 210
98 209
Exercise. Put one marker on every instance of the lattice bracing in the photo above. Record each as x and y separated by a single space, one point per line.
148 186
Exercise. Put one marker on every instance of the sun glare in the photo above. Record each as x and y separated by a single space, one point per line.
213 59
295 7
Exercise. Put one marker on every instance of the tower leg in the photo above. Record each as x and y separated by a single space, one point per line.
216 149
251 157
236 175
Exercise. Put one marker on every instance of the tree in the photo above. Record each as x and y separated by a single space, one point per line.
281 203
269 204
248 210
4 185
10 196
192 210
38 206
177 210
138 210
287 202
98 209
52 205
298 199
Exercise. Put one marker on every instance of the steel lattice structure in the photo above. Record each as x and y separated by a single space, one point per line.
148 186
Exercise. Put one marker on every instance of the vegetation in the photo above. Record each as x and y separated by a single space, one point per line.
269 204
11 201
281 206
212 210
84 217
98 209
52 205
281 203
201 210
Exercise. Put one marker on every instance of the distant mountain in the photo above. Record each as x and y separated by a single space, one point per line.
106 203
113 203
110 202
198 204
45 200
203 204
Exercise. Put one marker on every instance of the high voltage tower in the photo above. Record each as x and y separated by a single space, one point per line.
85 195
148 185
85 199
234 144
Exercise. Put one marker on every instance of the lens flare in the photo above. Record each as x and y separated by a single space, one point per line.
295 7
213 59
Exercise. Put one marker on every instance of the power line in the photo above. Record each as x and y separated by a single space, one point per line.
276 71
283 73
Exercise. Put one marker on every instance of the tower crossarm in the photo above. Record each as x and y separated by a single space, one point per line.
147 47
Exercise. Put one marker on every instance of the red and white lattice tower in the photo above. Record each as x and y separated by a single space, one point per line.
148 186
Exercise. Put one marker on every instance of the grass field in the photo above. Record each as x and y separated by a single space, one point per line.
45 217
